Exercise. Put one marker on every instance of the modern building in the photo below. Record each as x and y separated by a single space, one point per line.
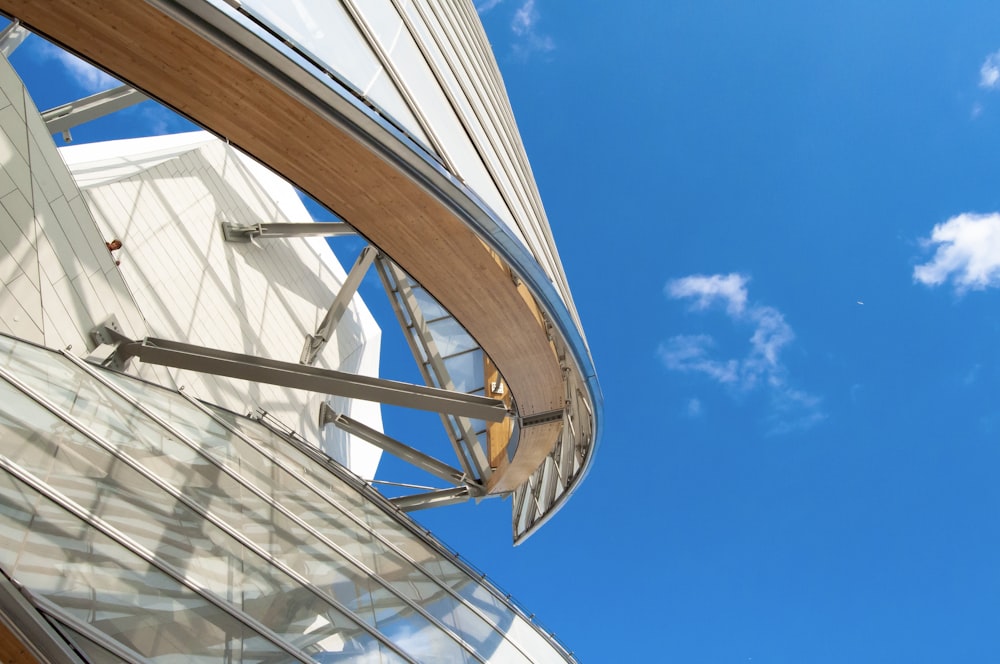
190 390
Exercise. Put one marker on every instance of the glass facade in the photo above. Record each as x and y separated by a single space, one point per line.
146 525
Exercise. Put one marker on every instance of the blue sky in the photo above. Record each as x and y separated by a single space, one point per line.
781 225
786 475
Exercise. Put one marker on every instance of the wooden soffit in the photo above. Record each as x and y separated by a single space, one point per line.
255 111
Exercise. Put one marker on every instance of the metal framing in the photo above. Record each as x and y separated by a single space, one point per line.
315 343
63 118
397 286
423 461
247 233
12 37
325 381
375 496
116 535
67 620
35 635
428 499
297 520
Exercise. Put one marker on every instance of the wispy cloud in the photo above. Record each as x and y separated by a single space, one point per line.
524 25
967 253
793 410
89 78
484 7
760 367
692 353
989 73
707 290
525 18
694 408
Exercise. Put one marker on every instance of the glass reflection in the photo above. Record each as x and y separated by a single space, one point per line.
346 545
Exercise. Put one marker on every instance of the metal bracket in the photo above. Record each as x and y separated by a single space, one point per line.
12 37
422 501
542 418
61 119
249 232
107 338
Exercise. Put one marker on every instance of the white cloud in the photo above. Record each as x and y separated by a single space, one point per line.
523 25
690 353
89 78
760 367
694 408
771 334
706 290
524 18
968 253
484 7
972 375
989 73
793 410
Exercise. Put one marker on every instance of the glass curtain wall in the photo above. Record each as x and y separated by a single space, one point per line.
146 525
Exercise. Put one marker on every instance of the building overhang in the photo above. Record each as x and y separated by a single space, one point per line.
205 60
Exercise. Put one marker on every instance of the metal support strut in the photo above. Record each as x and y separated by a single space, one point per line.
246 233
423 461
286 374
63 118
315 343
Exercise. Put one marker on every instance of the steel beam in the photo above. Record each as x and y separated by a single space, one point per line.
394 447
433 368
315 343
246 233
63 118
423 501
325 381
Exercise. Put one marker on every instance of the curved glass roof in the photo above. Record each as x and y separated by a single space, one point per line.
146 524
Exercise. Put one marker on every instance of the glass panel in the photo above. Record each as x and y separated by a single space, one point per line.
110 489
548 481
325 565
95 653
450 337
466 371
429 307
499 618
99 582
336 561
398 571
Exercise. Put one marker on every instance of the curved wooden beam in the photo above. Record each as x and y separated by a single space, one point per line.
256 111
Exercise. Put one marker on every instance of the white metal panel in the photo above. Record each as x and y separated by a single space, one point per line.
486 113
59 280
444 118
193 286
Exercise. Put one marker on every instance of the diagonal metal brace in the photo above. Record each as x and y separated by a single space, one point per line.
315 343
422 501
325 381
423 461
